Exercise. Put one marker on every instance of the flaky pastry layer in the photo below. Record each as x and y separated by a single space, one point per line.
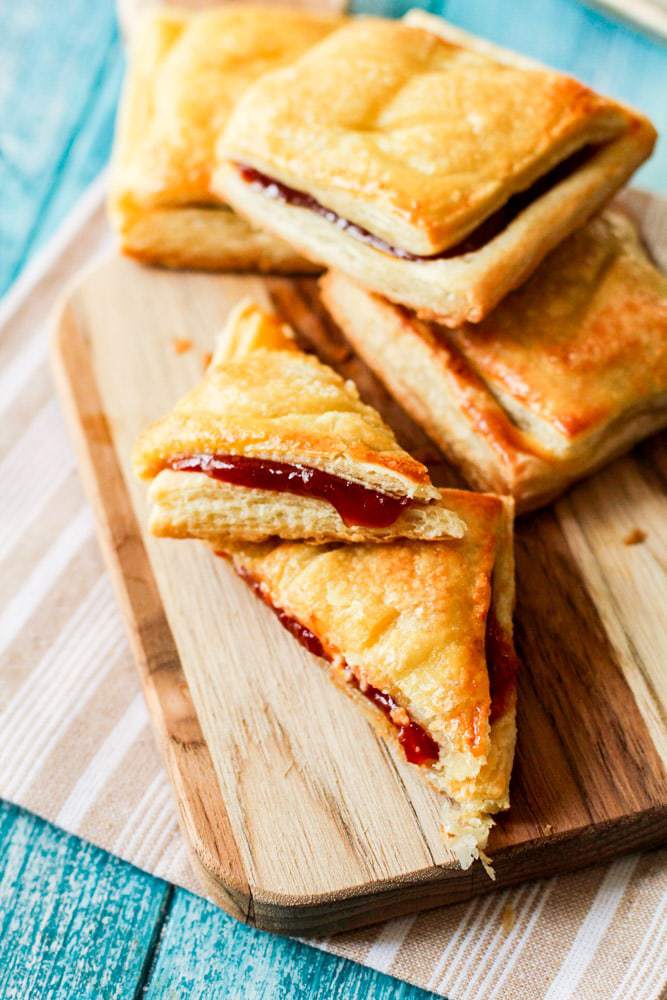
413 137
241 454
192 505
262 397
456 289
210 238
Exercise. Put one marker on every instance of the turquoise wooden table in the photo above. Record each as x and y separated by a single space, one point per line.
75 921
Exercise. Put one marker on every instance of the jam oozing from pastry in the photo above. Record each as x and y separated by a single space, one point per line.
356 504
291 196
502 664
479 237
417 745
299 631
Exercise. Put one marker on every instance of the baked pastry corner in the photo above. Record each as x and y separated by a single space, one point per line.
274 443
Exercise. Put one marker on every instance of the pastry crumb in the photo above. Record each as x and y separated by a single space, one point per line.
508 917
635 537
399 716
206 359
180 345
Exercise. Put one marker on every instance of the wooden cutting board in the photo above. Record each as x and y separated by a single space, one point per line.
299 817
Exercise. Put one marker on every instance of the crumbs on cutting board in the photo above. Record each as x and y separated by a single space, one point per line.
635 537
180 345
508 917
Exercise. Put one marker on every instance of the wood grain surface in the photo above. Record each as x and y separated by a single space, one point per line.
299 816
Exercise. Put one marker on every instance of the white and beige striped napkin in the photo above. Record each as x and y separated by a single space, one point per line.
78 749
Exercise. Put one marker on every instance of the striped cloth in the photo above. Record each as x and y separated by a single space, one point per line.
78 749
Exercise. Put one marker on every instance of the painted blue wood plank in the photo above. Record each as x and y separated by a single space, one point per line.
205 954
74 921
60 67
77 922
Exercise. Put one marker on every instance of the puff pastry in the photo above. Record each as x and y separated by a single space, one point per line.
186 71
434 172
568 371
275 443
420 634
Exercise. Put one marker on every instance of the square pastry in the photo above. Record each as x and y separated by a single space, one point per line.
568 371
420 635
186 72
435 172
275 443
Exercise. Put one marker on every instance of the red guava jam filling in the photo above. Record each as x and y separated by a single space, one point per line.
291 196
355 504
417 745
487 230
503 667
299 631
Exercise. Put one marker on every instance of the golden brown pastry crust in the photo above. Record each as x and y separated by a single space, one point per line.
393 153
409 619
413 137
186 72
264 398
568 371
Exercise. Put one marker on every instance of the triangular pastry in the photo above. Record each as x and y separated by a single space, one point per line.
420 634
431 169
274 443
567 372
186 71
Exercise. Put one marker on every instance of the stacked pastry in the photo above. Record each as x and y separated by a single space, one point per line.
186 74
406 590
452 189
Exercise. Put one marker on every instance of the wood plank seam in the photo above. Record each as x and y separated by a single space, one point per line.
153 945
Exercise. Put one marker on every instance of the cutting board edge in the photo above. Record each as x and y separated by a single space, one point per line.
185 754
438 886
